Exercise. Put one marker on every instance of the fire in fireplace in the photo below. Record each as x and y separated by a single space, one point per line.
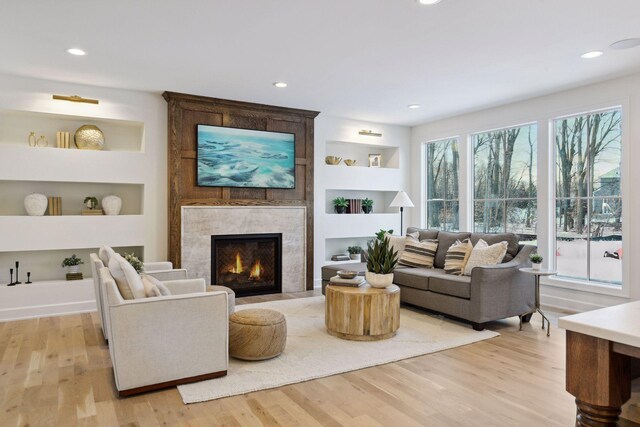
250 264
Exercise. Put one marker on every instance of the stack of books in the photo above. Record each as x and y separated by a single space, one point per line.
355 206
74 276
62 140
340 257
354 283
55 206
92 212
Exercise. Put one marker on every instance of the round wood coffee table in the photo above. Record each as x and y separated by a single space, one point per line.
362 314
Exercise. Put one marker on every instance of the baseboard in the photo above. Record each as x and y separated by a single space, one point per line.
34 312
565 304
166 384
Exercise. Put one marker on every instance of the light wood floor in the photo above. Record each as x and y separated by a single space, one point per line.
57 371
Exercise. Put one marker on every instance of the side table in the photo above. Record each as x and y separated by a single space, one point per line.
537 274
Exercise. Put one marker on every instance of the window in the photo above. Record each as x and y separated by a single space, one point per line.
442 166
505 181
588 224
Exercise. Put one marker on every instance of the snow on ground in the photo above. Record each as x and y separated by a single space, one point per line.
572 260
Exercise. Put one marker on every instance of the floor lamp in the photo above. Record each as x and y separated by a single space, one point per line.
401 201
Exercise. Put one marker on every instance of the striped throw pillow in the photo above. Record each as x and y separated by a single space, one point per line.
419 254
457 256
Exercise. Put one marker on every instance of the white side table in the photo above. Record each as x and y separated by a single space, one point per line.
537 274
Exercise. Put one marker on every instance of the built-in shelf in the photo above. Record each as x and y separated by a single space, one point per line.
381 199
120 135
360 152
351 261
350 225
373 179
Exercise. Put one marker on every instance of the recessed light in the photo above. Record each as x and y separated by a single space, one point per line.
280 84
413 106
429 2
76 51
592 54
625 44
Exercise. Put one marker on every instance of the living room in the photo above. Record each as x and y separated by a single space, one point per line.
169 165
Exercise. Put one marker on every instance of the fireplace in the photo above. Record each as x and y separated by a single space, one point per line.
250 264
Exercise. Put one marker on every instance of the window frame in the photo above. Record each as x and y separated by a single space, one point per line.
425 187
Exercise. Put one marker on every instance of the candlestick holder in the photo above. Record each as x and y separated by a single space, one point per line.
17 273
11 282
28 278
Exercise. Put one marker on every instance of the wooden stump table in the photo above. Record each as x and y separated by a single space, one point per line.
362 314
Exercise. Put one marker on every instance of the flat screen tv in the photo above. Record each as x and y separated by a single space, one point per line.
230 157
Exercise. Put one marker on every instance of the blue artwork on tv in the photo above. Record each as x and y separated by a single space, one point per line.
230 157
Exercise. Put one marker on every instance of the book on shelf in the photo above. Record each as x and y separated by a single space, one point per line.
355 206
92 212
74 276
340 257
66 140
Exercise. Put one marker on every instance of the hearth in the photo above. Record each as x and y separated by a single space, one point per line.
250 264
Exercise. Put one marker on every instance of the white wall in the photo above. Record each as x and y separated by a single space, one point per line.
623 91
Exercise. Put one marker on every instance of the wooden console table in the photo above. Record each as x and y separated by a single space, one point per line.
362 314
601 346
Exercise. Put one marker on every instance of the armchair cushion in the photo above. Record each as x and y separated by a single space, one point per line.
154 287
127 279
105 253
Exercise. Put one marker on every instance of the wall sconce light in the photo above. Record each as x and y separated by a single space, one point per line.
369 133
75 98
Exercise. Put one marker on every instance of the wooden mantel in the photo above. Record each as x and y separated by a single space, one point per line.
188 111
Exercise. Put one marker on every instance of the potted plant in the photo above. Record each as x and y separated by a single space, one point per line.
91 202
135 262
380 234
354 252
72 264
367 205
381 261
536 260
340 204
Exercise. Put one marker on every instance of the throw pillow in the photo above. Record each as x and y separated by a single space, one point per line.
105 253
457 256
419 254
162 288
398 242
483 254
127 279
150 288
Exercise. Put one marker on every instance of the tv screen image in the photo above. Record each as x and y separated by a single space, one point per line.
230 157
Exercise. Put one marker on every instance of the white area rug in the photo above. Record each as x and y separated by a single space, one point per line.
312 353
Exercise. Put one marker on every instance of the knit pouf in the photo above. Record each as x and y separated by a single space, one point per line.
231 296
257 334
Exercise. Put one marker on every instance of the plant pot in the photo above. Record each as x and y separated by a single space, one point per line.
355 257
535 266
111 205
341 209
367 209
35 204
73 269
379 280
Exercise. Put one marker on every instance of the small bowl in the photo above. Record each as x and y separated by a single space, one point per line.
332 160
349 162
344 274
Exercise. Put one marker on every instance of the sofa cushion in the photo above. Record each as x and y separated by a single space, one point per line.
513 242
127 279
483 254
398 242
154 287
457 257
328 271
417 278
105 253
445 240
423 234
419 254
455 286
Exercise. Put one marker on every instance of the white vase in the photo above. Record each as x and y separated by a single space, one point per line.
73 269
35 204
535 266
111 205
355 257
379 280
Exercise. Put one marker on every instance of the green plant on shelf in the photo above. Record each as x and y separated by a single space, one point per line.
91 202
340 204
380 234
71 261
367 205
135 262
354 250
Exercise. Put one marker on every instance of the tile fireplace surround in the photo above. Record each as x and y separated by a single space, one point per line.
199 223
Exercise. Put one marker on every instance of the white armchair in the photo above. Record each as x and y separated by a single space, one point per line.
165 341
162 271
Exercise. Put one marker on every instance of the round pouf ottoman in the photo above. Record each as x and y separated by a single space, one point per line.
231 296
257 334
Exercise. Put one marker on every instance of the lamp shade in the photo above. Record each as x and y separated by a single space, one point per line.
401 200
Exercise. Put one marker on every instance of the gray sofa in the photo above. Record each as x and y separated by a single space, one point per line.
490 293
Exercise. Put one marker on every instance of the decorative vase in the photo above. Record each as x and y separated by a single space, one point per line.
35 204
355 257
89 137
73 269
111 205
367 209
341 209
535 266
379 280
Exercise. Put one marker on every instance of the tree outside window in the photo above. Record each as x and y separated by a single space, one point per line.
505 181
442 172
588 151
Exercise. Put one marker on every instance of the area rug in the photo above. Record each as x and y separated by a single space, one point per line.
312 353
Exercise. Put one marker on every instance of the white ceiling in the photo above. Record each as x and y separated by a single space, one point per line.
364 59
